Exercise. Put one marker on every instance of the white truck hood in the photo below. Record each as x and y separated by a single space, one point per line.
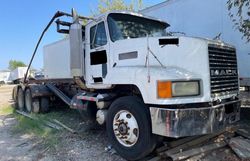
188 57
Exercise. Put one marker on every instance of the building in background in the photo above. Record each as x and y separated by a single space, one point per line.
5 77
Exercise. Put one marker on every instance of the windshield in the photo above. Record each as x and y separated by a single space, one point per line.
124 26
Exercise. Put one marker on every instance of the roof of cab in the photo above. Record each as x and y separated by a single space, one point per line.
105 15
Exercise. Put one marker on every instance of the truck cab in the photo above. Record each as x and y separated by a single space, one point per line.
189 84
113 42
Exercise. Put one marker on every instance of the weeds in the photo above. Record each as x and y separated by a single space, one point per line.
6 110
32 127
50 137
36 128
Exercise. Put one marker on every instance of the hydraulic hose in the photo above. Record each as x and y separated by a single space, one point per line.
57 14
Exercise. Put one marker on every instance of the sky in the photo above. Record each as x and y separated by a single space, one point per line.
22 22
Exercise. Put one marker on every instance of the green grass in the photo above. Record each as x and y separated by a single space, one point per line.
6 110
30 126
37 128
33 127
50 137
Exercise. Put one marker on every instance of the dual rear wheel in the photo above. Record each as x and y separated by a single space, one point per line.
25 102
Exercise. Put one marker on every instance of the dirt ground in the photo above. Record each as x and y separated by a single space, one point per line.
89 145
12 147
5 95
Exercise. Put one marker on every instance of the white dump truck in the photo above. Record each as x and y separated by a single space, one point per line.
128 72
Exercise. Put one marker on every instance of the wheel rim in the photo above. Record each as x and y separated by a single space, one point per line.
20 99
28 101
126 128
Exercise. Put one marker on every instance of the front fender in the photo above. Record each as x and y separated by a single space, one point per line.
145 78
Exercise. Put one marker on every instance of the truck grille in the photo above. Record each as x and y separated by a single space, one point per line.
223 70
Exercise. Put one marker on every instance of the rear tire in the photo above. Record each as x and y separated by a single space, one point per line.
13 94
20 99
36 105
14 97
28 100
129 128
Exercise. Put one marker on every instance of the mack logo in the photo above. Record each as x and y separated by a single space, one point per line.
223 72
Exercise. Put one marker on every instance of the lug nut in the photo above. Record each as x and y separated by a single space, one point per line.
128 116
135 131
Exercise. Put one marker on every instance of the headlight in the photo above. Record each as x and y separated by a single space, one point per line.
190 88
168 89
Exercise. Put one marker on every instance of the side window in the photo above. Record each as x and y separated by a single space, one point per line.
98 36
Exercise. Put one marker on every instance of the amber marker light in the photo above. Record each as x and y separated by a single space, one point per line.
164 89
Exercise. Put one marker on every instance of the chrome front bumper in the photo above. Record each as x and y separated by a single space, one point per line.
193 121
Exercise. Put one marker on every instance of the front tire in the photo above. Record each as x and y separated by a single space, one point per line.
129 128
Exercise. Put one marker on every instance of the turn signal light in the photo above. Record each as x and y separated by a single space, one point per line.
164 89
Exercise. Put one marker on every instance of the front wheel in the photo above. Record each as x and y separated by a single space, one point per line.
129 128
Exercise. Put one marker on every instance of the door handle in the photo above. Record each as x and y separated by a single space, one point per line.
99 48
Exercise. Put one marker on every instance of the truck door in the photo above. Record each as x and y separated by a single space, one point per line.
97 56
